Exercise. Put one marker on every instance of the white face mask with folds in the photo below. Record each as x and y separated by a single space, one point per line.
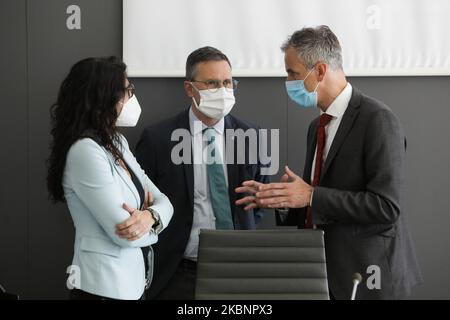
130 113
215 105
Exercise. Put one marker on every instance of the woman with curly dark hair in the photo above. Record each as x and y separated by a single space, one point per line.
117 211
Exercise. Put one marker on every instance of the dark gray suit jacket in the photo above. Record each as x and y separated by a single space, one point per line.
153 152
359 202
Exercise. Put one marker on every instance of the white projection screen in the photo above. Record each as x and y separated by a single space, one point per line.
378 37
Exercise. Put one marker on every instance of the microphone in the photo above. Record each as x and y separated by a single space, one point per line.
357 278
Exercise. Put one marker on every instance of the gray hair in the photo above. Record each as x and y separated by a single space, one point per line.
315 45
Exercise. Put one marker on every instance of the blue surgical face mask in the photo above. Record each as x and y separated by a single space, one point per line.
297 92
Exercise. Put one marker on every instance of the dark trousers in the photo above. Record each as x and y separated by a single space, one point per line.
77 294
182 285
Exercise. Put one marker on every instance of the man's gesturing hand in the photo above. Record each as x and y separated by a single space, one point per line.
291 192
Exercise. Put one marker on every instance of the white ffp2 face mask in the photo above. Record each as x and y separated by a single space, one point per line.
217 104
130 113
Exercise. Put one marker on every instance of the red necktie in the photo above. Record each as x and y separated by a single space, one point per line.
324 120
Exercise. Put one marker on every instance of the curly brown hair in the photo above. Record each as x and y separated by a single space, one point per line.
85 107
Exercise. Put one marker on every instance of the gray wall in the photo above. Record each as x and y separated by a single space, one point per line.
36 237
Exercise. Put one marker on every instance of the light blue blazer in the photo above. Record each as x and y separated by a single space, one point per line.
95 188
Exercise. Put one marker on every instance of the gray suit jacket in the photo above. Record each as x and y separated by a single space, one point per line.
359 203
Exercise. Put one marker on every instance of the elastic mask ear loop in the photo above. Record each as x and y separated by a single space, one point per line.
193 99
316 86
310 71
308 74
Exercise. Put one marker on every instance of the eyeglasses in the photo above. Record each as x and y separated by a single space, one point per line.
130 90
214 85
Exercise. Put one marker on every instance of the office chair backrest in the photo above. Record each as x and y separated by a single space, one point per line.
261 264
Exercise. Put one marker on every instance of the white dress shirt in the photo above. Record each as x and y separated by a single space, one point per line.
336 110
203 212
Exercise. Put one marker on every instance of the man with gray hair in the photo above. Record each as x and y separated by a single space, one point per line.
353 177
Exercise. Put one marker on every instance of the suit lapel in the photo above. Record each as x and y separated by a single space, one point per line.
344 128
232 169
123 175
126 178
310 150
183 122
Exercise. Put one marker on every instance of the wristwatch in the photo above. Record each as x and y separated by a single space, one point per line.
157 226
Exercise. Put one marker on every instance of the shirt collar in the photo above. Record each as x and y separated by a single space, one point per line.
219 127
339 105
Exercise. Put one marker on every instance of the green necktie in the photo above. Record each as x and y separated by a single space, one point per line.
217 186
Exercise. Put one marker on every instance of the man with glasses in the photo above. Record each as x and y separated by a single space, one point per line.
202 192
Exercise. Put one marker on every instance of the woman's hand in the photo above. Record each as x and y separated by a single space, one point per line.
135 226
